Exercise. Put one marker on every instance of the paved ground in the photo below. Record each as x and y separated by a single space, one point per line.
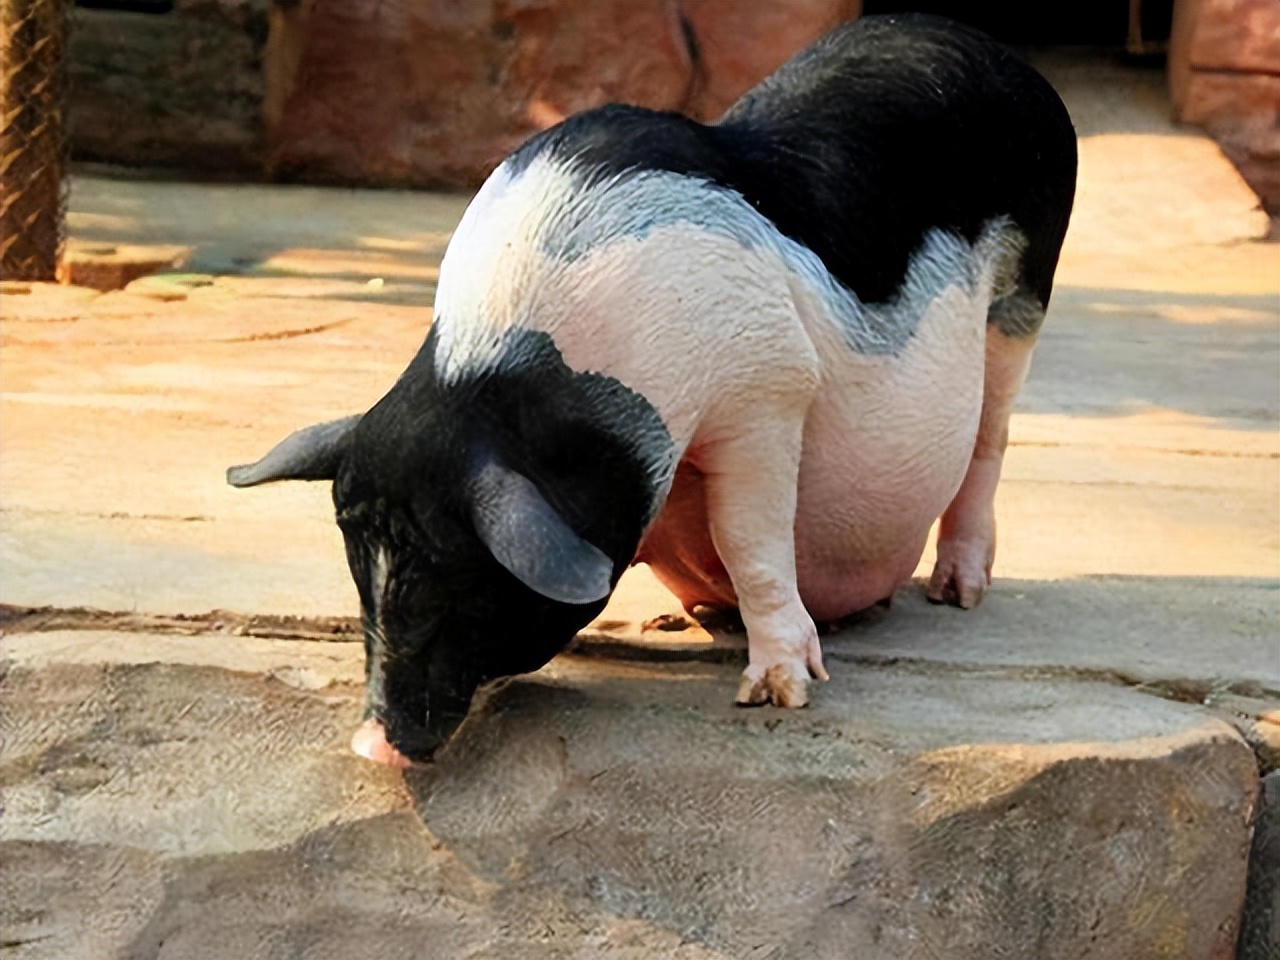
1145 443
1137 568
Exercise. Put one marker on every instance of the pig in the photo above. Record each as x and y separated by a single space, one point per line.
762 356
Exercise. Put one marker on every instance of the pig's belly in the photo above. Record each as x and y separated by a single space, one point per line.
861 527
887 443
870 489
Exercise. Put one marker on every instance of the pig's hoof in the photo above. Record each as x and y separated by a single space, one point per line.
958 579
778 685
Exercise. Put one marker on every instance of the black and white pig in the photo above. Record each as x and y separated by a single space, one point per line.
762 356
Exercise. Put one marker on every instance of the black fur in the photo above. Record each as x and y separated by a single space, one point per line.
884 129
450 616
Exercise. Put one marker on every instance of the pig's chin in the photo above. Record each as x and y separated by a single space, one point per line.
370 741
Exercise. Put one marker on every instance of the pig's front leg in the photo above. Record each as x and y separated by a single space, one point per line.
967 532
751 509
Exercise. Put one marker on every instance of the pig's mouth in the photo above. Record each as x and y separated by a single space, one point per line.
401 735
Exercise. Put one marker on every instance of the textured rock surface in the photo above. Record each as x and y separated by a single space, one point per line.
113 267
1260 933
460 83
736 45
1224 75
606 808
182 88
426 93
1235 36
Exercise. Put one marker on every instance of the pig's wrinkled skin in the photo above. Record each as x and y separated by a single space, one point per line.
761 356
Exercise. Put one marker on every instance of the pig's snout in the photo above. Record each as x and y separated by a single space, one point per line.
370 741
397 743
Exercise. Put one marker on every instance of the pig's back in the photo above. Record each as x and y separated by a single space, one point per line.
889 127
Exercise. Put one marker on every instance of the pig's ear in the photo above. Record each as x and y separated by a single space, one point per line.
527 536
311 454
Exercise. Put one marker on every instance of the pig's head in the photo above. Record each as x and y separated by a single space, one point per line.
486 519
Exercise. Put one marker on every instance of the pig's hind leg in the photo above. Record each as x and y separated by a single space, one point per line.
967 532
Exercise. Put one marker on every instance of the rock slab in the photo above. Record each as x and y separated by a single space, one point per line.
161 804
1260 930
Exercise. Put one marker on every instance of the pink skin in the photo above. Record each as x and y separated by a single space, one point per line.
967 539
967 533
370 742
679 550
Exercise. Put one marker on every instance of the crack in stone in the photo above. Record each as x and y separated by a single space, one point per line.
1254 696
286 334
596 644
113 515
20 619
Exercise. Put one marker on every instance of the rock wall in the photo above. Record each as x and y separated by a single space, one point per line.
182 88
429 93
433 93
1224 75
460 83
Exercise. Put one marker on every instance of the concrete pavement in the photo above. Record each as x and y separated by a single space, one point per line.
1144 443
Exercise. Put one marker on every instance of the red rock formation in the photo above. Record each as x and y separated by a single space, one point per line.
437 92
1224 75
737 43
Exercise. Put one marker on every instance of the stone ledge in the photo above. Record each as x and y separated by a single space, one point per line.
613 809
